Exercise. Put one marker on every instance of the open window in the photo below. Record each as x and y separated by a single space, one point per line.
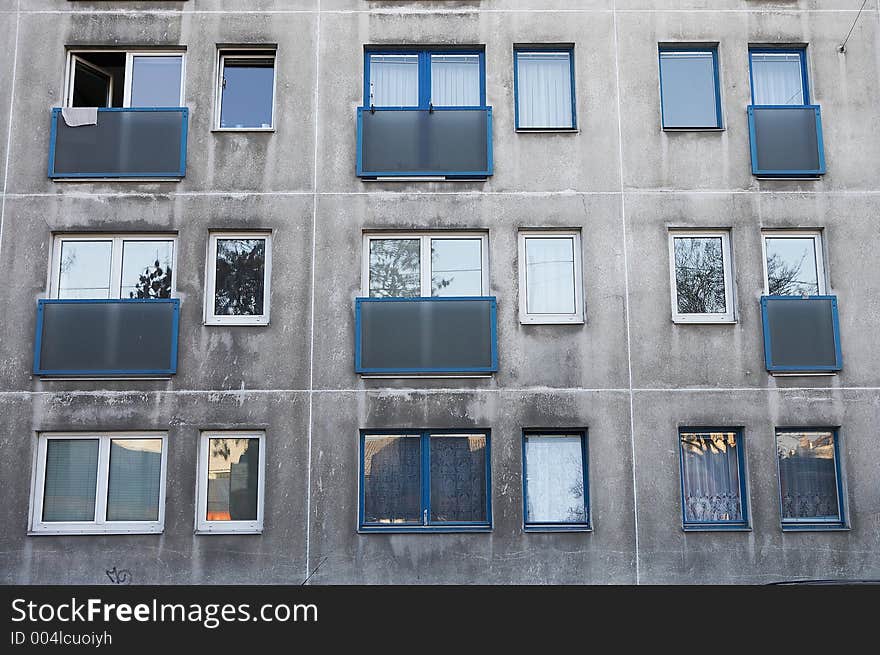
116 78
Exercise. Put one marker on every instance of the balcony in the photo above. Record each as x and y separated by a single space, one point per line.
425 335
786 141
801 334
125 143
106 337
450 143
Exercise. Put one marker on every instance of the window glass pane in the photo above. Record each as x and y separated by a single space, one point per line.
807 475
544 89
91 86
247 92
458 478
455 80
85 269
146 269
155 81
395 268
688 89
777 78
392 479
456 268
791 266
710 475
135 476
394 80
550 275
233 478
240 272
71 480
555 479
699 275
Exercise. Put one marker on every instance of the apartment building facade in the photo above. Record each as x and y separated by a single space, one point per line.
500 291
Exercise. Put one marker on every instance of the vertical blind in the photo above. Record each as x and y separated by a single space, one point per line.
550 275
394 80
688 89
544 90
777 78
71 480
134 478
455 80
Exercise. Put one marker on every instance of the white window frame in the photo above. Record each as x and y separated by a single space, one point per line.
210 318
729 290
527 318
425 261
204 526
815 235
99 525
72 55
118 240
243 53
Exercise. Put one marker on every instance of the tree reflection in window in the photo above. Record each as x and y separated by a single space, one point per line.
395 268
240 277
699 275
791 266
233 475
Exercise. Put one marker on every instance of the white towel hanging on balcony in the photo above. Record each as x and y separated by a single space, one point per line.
78 116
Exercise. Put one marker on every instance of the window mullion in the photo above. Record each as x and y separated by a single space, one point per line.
116 253
425 265
424 80
102 485
426 478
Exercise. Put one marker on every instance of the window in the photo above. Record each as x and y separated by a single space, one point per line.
231 482
556 492
810 481
109 266
413 265
690 94
713 485
701 277
543 79
414 481
779 77
237 278
114 78
793 263
425 79
550 277
99 483
246 90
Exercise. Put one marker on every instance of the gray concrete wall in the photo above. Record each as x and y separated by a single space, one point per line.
629 374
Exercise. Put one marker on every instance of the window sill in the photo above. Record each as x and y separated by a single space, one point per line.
228 531
422 178
118 179
557 528
815 527
425 376
716 528
217 322
93 533
679 320
552 321
108 378
803 374
425 530
693 129
547 130
222 130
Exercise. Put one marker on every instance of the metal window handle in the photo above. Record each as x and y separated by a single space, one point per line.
223 85
430 107
425 517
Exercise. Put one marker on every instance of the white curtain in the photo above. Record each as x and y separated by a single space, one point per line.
394 80
555 479
550 285
711 477
544 89
455 80
777 78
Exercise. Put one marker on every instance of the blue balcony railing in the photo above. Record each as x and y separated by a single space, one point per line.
426 335
786 141
452 142
106 337
801 334
133 142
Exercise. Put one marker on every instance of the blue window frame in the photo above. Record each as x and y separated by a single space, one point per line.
811 495
425 481
425 78
713 481
778 76
556 489
544 88
690 89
